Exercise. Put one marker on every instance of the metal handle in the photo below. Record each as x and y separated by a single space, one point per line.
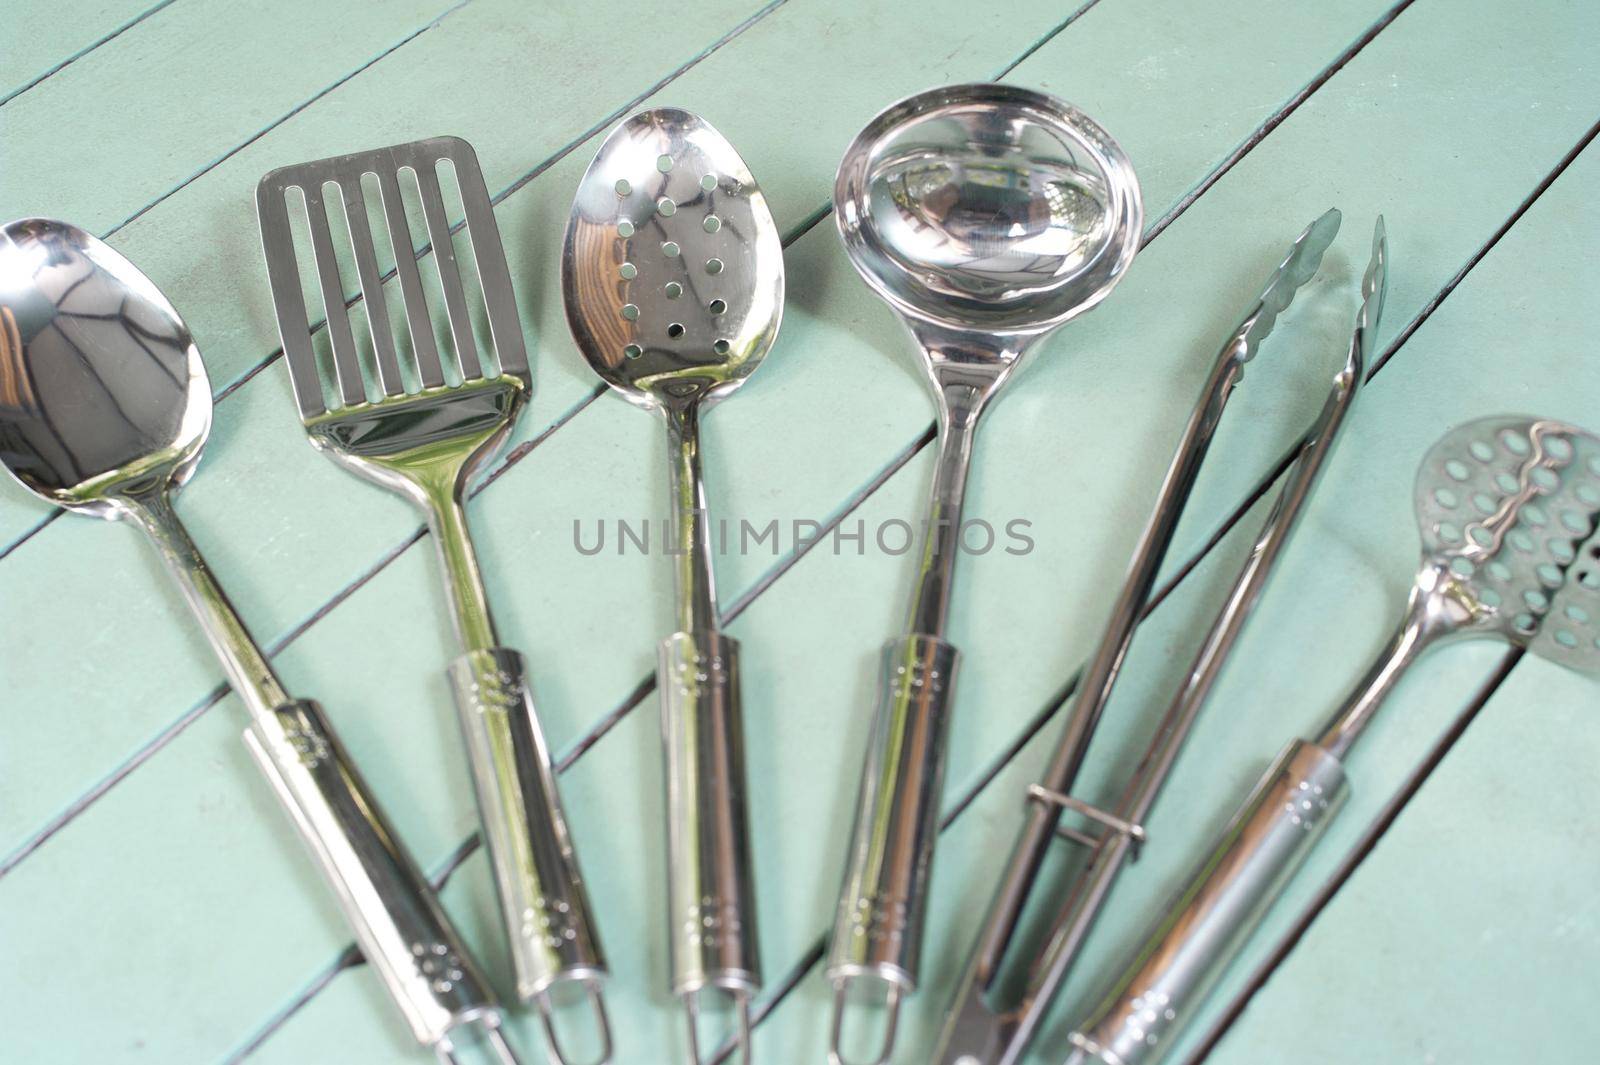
1224 900
878 930
711 894
403 931
541 890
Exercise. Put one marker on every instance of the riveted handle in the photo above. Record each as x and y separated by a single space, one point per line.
711 894
878 929
1222 903
542 898
402 929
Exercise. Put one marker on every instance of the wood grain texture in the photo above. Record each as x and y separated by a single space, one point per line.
200 932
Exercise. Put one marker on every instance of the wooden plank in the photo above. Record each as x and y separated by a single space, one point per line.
274 511
296 899
165 100
282 565
267 519
39 40
1470 934
201 246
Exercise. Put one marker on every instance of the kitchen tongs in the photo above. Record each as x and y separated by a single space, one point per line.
976 1031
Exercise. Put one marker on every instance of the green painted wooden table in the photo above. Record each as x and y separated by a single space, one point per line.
155 905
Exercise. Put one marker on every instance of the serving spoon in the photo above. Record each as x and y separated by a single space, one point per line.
104 408
987 216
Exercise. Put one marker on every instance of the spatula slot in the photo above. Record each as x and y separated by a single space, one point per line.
339 231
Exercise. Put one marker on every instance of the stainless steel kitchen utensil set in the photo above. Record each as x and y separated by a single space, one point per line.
105 411
975 1031
987 216
427 443
672 271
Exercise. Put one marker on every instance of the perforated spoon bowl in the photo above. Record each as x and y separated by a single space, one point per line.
672 270
987 216
1507 508
106 409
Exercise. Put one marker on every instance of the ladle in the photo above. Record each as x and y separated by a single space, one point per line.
987 216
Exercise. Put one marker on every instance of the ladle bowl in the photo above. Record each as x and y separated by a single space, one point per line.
988 207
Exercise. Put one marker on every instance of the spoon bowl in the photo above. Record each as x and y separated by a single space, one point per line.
673 265
102 392
988 207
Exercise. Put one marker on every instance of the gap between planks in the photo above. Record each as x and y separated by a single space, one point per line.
281 119
80 53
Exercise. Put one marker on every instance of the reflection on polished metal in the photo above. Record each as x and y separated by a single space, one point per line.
977 1030
422 418
672 270
104 407
987 216
1508 509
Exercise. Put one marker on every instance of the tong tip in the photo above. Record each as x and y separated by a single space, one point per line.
1298 267
1374 287
1378 269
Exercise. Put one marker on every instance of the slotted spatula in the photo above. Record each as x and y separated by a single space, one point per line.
422 417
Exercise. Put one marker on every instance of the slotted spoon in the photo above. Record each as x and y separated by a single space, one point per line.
672 271
426 442
1507 508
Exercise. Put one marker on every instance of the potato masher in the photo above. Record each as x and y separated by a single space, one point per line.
1507 508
